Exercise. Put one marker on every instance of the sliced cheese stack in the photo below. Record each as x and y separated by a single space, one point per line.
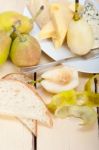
61 17
48 31
56 28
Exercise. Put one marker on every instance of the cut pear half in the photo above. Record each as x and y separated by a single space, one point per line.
53 84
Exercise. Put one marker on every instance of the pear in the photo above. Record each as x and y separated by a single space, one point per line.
80 37
59 79
25 51
60 75
76 37
10 18
5 43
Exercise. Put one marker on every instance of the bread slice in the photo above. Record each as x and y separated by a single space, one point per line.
18 76
31 125
21 100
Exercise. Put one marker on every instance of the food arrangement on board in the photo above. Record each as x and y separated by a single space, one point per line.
61 23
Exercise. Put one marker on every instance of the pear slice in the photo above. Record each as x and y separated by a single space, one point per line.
62 79
60 75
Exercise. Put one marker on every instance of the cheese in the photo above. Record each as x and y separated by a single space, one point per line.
61 16
91 15
48 31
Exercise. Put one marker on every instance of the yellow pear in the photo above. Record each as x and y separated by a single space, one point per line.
80 37
25 51
5 43
10 18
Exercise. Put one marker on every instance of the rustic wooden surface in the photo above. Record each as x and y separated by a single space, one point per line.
65 134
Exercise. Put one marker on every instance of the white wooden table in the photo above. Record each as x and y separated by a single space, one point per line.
65 134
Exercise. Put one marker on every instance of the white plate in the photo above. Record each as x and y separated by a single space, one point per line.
88 66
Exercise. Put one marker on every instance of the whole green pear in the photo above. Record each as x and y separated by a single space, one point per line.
25 51
5 43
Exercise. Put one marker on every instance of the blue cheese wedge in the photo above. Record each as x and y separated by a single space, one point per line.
91 15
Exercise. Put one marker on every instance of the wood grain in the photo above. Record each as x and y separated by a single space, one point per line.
65 134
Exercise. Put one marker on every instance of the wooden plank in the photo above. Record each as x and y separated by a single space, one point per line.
13 135
67 135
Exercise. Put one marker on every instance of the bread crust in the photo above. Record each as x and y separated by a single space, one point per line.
50 123
18 76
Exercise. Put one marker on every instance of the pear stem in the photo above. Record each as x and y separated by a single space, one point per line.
33 82
76 14
37 14
15 26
